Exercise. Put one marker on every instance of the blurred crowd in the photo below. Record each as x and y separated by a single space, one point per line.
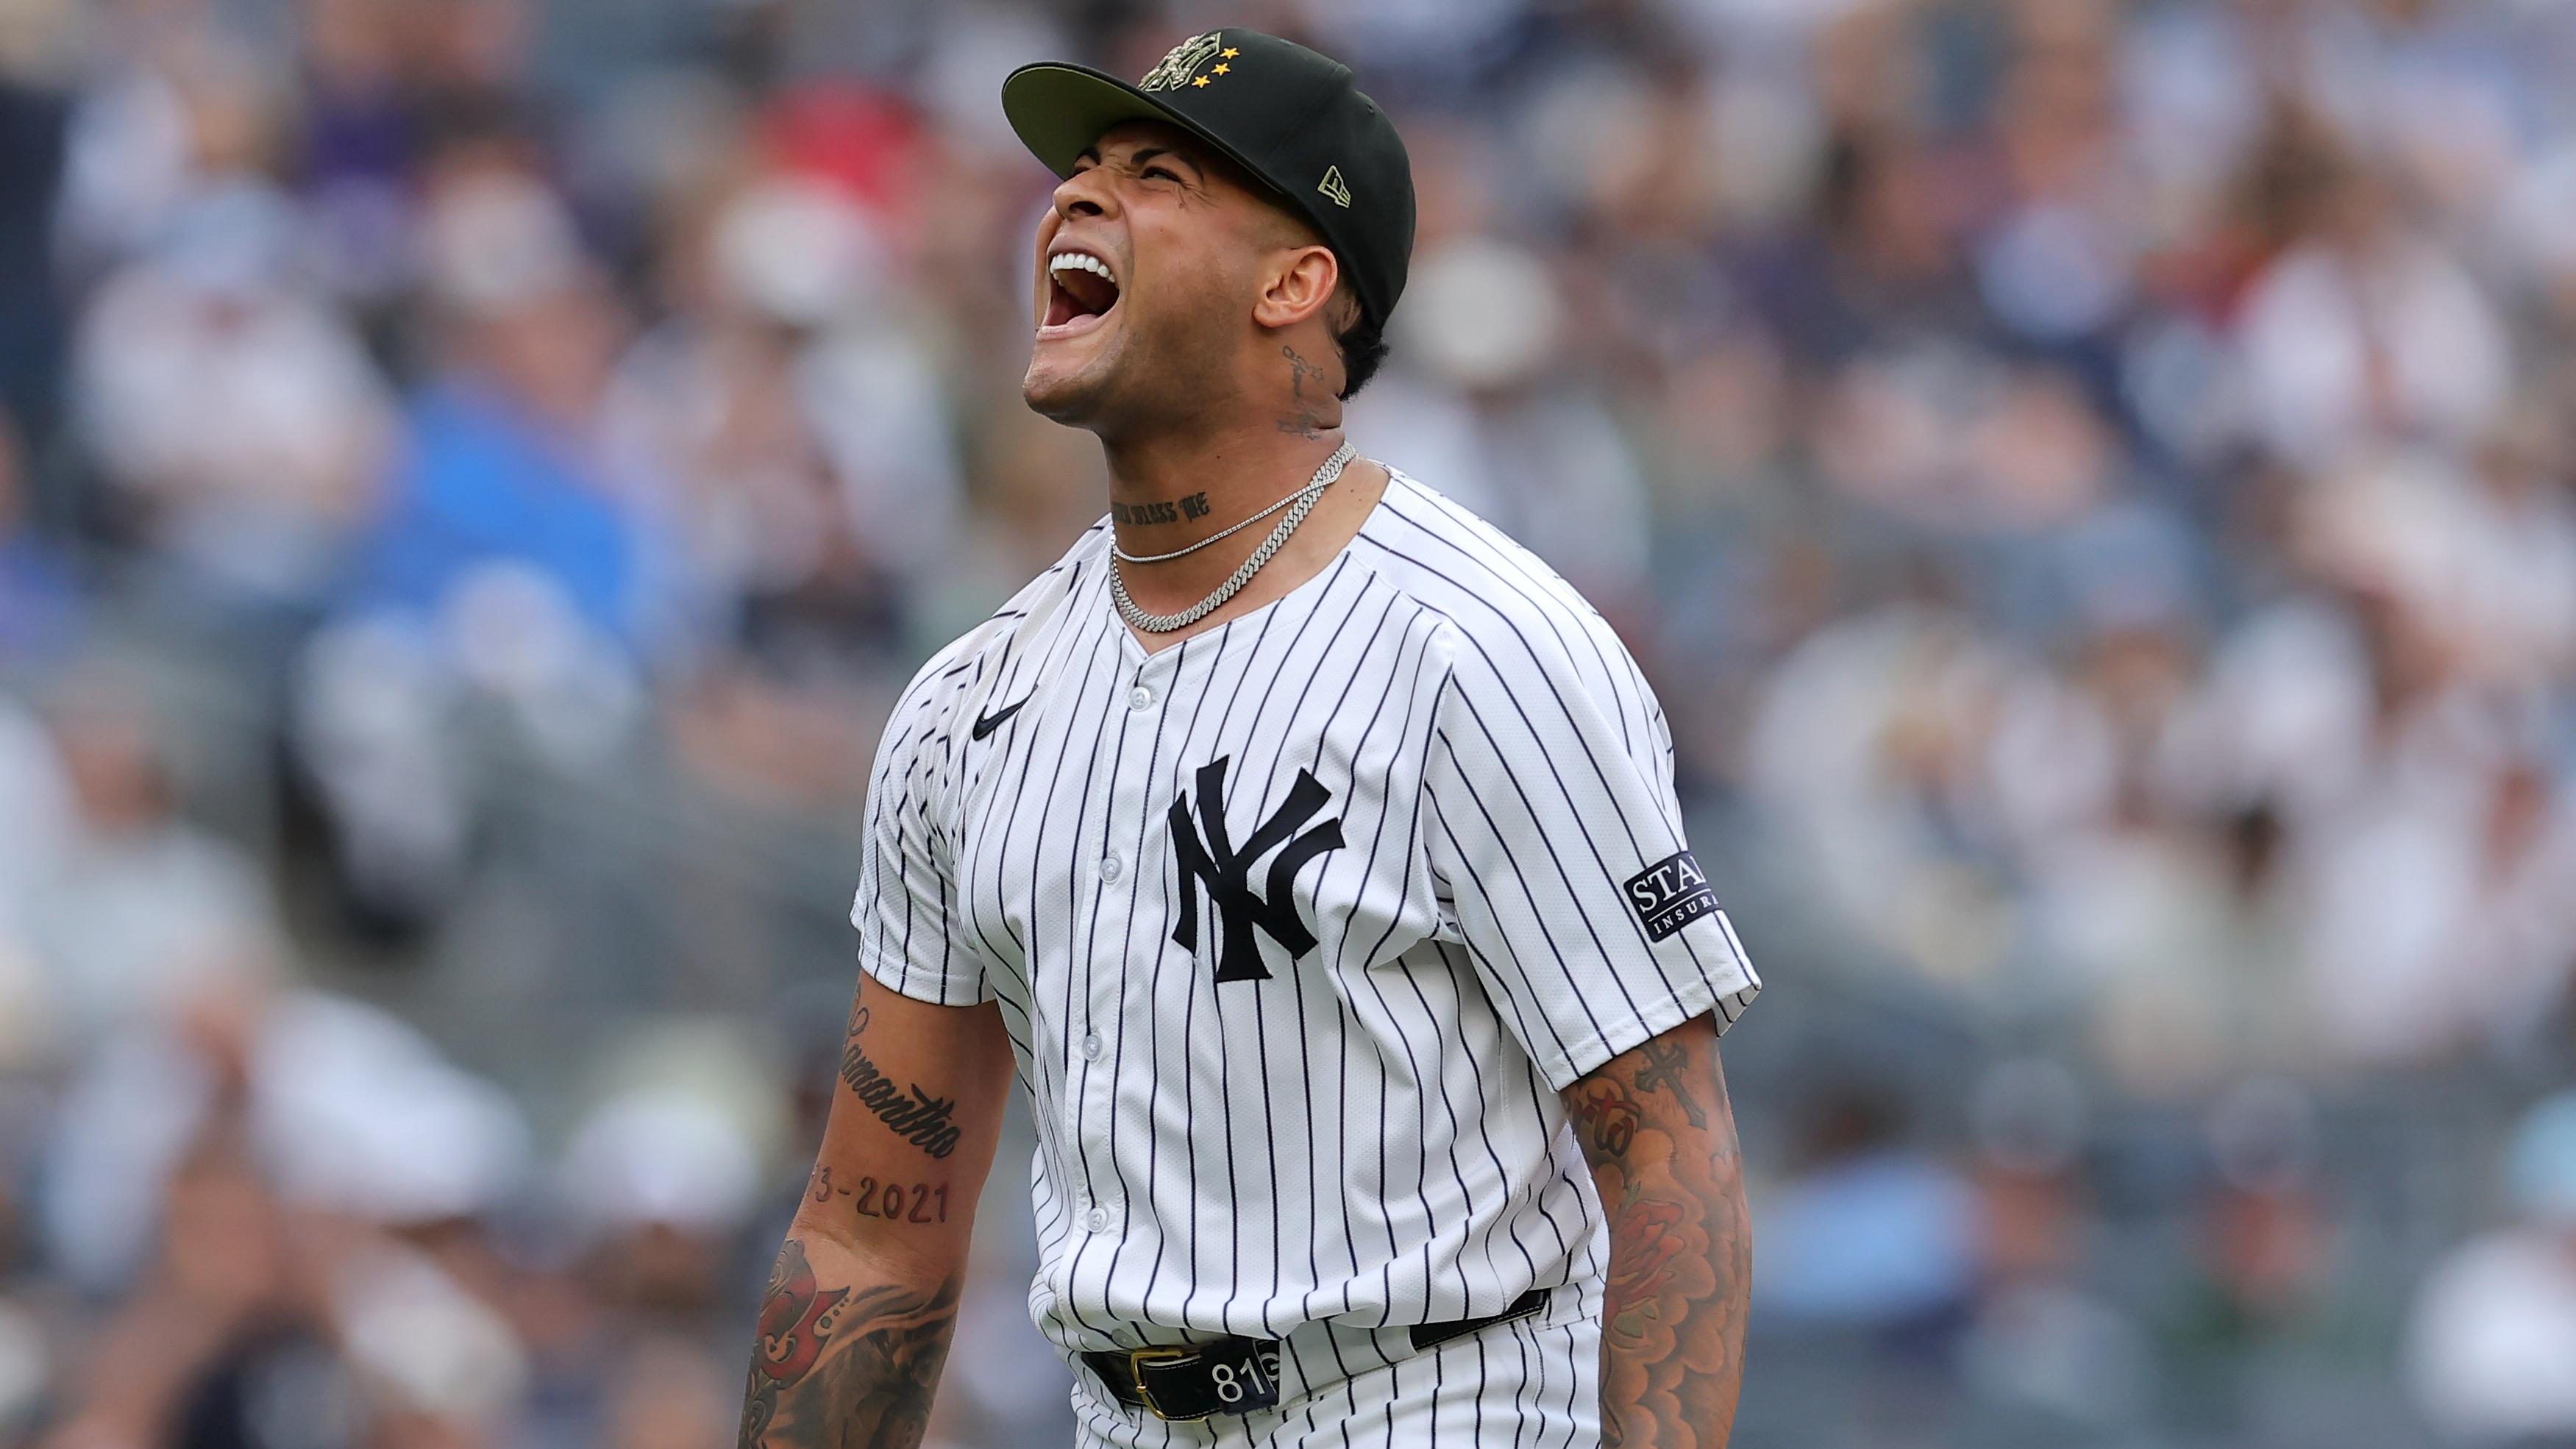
2092 480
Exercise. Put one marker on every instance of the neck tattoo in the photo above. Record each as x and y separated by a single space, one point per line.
1190 509
1298 504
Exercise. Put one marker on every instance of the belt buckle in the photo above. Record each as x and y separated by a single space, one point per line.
1137 1358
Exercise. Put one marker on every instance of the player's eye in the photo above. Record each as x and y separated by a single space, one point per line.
1162 171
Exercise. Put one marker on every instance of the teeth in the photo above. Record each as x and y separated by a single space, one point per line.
1080 261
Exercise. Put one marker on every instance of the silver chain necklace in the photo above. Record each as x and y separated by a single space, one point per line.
1323 479
1304 501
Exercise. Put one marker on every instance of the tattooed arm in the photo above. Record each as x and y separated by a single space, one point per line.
863 1297
1659 1134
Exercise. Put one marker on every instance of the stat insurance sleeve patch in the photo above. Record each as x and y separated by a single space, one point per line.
1670 894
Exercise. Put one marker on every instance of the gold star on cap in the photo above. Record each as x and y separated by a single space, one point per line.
1221 69
1202 80
1229 53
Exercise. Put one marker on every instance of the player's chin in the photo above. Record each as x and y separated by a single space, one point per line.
1064 383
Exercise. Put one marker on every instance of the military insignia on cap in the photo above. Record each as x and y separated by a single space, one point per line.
1181 66
1333 186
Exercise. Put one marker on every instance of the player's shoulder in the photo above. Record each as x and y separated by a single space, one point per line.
1496 599
964 671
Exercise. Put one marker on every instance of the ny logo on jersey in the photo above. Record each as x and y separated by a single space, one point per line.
1213 861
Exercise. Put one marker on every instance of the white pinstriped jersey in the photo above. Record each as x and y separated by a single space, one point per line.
1298 926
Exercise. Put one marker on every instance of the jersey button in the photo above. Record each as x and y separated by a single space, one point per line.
1141 696
1091 1047
1110 866
1097 1220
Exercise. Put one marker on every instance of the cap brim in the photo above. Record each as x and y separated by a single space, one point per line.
1060 111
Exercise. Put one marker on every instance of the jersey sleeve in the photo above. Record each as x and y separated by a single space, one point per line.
911 938
1556 844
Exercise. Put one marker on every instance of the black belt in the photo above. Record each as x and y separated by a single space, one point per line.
1239 1375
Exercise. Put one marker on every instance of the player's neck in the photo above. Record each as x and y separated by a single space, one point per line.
1235 470
1170 490
1208 482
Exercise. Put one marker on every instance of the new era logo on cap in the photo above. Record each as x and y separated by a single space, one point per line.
1333 186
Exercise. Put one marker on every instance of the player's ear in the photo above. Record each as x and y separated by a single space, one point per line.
1298 284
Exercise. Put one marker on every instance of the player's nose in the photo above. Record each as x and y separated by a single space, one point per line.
1085 193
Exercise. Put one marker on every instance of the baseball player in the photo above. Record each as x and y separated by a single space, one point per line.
1308 852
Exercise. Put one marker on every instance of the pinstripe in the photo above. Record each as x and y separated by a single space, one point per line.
1135 888
1225 1081
1261 1032
1314 1251
1669 813
1155 997
1609 878
1538 830
1503 566
1068 1155
1366 732
1090 936
1440 815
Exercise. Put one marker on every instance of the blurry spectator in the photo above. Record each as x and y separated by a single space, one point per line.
672 1397
241 422
1480 409
344 1110
141 909
809 470
1869 752
36 800
202 1348
2060 265
2044 1341
2521 579
508 562
304 1275
36 48
128 146
662 1182
363 136
2366 331
2494 1329
40 600
1872 1234
355 1113
1881 258
2467 928
503 463
2264 1241
670 1163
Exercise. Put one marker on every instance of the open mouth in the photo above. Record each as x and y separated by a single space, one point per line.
1078 285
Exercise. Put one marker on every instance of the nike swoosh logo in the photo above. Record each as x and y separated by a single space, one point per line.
986 724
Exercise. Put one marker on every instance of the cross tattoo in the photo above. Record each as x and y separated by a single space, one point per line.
1664 1066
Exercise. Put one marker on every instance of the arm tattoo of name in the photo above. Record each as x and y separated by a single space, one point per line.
849 1368
1191 508
917 1117
1308 421
1657 1128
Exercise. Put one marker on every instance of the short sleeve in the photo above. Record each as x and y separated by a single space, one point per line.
1556 842
911 938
